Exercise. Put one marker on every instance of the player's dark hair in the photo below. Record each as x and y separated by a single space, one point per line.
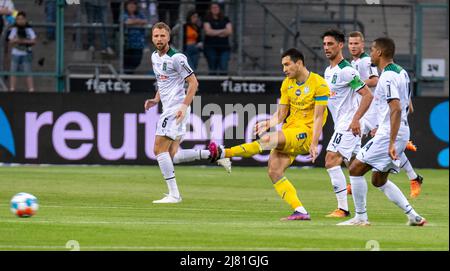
386 45
336 34
294 54
21 13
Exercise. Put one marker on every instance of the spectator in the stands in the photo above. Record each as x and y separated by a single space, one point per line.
192 38
135 37
50 17
96 13
202 6
146 7
217 48
22 38
6 11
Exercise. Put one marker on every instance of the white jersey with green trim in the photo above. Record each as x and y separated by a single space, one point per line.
363 65
344 81
394 83
171 70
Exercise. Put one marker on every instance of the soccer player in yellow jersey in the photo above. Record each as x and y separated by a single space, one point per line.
303 109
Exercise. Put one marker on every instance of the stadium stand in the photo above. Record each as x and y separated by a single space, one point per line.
258 40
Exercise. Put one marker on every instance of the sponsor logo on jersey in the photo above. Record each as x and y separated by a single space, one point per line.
163 77
333 81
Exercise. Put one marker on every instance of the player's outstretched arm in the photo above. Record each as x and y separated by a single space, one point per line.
367 98
278 117
395 116
319 111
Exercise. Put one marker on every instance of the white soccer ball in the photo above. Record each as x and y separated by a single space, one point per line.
24 205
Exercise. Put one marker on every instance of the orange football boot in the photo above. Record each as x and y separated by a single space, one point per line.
410 146
339 213
416 187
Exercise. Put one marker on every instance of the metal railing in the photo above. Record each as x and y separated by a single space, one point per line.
302 22
282 24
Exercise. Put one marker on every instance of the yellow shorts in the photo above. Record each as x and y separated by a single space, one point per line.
298 141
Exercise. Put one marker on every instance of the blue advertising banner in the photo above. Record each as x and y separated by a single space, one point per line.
85 128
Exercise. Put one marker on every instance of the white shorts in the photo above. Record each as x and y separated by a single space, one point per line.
167 125
366 127
344 143
376 152
369 121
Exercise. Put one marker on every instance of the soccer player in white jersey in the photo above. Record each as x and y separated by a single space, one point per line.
172 71
369 74
345 85
381 153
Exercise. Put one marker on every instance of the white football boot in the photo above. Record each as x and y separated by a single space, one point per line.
355 222
417 221
168 199
226 163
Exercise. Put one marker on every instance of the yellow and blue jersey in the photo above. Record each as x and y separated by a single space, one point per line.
302 98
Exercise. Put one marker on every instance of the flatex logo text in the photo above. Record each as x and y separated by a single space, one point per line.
99 86
243 87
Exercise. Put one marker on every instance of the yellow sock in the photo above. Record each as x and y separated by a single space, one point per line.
287 192
245 150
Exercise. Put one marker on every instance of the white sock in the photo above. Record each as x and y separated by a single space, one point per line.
183 156
339 186
359 192
301 209
222 155
168 172
406 165
395 195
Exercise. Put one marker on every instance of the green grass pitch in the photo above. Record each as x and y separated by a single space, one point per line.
110 208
